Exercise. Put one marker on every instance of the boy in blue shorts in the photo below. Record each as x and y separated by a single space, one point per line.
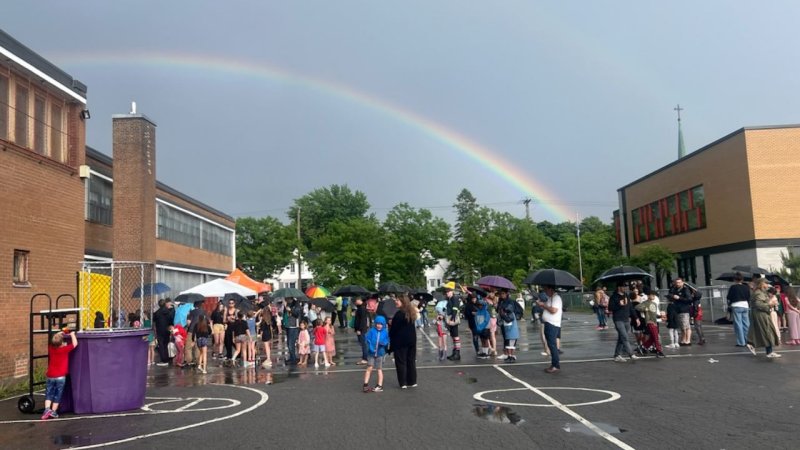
57 370
377 341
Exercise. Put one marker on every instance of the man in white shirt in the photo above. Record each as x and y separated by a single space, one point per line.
552 325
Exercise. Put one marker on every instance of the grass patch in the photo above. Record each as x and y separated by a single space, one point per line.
18 386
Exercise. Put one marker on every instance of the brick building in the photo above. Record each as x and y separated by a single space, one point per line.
63 203
731 202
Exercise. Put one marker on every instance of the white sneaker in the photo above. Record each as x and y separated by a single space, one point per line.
774 355
316 365
634 357
752 349
327 365
502 357
619 358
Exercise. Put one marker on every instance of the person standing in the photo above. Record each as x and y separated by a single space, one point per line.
361 325
453 318
403 341
621 314
599 307
295 311
650 310
470 309
163 319
551 317
762 332
792 316
508 320
739 303
57 370
682 296
191 325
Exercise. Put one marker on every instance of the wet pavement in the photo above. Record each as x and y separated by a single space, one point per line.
714 396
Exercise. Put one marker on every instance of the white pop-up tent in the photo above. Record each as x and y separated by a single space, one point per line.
220 287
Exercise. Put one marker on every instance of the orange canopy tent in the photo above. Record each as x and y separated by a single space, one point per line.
237 276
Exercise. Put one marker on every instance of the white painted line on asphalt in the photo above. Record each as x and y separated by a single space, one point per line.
605 435
611 396
433 344
189 405
263 399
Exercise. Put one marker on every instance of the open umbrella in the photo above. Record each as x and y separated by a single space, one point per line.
553 277
151 289
317 292
390 287
621 274
421 294
243 304
289 292
189 298
478 290
496 281
386 308
351 290
324 304
774 278
728 276
220 287
751 269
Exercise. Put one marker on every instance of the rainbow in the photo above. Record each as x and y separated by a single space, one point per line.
451 139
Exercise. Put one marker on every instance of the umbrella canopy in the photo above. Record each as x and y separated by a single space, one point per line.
317 292
324 304
351 290
289 292
151 289
728 276
478 290
621 274
386 308
218 288
774 278
242 304
237 276
751 269
189 298
422 295
496 281
390 287
553 277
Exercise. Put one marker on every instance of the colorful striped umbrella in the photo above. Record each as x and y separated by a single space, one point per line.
317 292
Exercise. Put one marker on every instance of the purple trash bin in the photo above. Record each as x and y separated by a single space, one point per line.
108 371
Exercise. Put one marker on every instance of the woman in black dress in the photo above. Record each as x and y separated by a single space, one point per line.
403 341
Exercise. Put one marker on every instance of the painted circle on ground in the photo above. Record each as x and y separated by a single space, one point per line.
190 404
612 396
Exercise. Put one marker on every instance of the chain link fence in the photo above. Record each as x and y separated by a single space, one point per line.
116 295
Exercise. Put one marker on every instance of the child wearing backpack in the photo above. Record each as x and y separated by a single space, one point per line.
508 320
377 341
482 319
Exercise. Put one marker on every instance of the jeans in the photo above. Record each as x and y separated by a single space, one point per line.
741 324
623 327
601 316
551 333
54 389
291 343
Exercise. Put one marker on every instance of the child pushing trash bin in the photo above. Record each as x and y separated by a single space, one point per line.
57 370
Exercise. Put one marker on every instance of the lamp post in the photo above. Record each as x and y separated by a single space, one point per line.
580 260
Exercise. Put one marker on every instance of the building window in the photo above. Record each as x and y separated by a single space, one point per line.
4 107
293 268
39 125
21 116
679 213
56 130
99 201
182 228
20 277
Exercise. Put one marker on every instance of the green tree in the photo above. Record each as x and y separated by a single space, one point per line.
599 249
415 240
659 256
324 206
471 222
263 246
349 252
791 268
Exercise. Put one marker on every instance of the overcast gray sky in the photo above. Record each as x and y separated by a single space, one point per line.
260 102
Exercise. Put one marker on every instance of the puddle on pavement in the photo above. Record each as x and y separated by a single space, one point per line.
472 380
499 414
583 429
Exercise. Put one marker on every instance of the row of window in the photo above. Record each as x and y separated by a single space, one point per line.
678 213
182 228
33 119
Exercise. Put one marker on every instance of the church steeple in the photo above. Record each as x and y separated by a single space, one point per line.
681 148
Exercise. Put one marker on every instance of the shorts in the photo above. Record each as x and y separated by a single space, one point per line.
243 338
54 389
218 328
376 362
453 330
493 325
202 342
319 348
266 335
683 320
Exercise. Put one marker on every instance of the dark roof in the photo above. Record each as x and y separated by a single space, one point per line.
37 61
706 147
105 159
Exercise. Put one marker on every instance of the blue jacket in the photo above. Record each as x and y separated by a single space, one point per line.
377 341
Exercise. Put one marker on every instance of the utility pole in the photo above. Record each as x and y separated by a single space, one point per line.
681 147
580 260
527 202
299 257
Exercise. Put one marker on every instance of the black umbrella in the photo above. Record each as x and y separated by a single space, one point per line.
774 278
478 290
387 308
620 274
351 290
390 287
728 276
496 281
324 304
190 298
553 277
422 295
243 304
751 269
290 292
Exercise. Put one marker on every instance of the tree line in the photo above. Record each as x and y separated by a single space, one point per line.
343 243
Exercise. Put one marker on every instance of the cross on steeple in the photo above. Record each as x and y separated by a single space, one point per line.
679 109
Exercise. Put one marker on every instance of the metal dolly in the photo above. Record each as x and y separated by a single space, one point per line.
49 320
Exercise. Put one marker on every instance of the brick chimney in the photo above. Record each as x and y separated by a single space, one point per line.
134 148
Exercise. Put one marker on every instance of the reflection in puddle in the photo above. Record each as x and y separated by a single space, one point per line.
583 429
499 414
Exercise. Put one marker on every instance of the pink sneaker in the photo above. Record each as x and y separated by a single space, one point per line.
47 414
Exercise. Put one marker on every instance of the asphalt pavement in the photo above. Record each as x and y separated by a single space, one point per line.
715 396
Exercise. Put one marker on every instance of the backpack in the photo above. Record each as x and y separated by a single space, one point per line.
518 311
482 318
